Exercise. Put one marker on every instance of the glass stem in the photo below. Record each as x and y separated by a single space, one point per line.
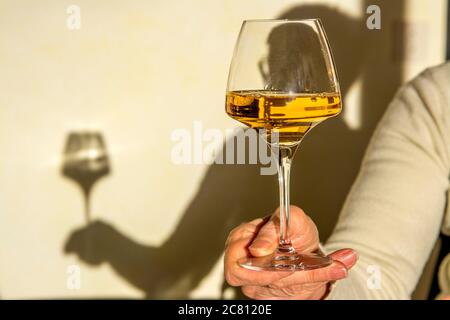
87 203
285 155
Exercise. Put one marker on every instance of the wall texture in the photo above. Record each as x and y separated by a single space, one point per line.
136 71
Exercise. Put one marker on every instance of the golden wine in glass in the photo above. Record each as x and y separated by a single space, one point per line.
283 82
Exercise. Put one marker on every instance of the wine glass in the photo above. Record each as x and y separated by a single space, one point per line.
85 162
283 82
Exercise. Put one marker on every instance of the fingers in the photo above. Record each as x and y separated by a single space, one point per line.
245 231
347 257
344 259
305 284
333 272
236 249
260 238
266 240
290 279
73 242
302 232
296 292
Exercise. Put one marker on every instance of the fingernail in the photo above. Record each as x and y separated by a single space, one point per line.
261 246
343 253
338 272
345 256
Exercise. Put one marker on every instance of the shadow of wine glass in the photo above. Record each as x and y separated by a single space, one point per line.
176 267
85 161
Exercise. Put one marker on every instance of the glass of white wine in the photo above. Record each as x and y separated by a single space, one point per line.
283 82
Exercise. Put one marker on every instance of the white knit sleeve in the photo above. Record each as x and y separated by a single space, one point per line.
394 211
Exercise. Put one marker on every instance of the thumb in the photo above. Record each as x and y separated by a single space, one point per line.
302 231
266 241
347 257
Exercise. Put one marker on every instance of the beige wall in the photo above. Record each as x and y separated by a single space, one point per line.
136 71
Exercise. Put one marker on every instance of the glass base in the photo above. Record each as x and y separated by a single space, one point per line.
286 261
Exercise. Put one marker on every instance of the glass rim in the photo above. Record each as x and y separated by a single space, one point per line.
283 20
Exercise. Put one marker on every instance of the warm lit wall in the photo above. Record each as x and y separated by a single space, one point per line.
136 71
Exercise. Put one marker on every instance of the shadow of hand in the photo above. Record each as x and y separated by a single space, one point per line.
145 267
94 243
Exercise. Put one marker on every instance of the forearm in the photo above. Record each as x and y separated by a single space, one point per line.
393 214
